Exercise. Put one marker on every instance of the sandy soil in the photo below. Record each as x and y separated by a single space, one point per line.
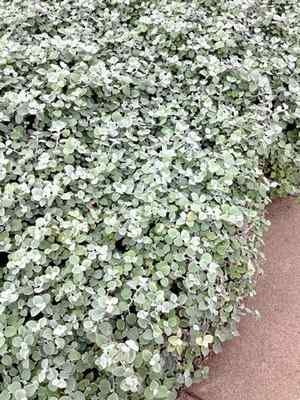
264 362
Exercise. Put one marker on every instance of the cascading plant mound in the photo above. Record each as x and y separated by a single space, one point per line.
140 142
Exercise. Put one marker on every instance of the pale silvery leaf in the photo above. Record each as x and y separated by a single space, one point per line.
57 126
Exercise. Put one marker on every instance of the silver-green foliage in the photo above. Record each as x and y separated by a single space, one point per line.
140 141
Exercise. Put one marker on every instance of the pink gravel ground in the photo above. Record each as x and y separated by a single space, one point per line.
264 362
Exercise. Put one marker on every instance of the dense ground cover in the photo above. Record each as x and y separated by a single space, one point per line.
140 143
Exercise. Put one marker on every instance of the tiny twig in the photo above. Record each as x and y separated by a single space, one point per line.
193 395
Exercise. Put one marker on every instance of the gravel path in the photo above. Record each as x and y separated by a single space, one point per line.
264 362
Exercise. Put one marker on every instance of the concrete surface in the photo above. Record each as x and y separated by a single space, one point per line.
264 362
